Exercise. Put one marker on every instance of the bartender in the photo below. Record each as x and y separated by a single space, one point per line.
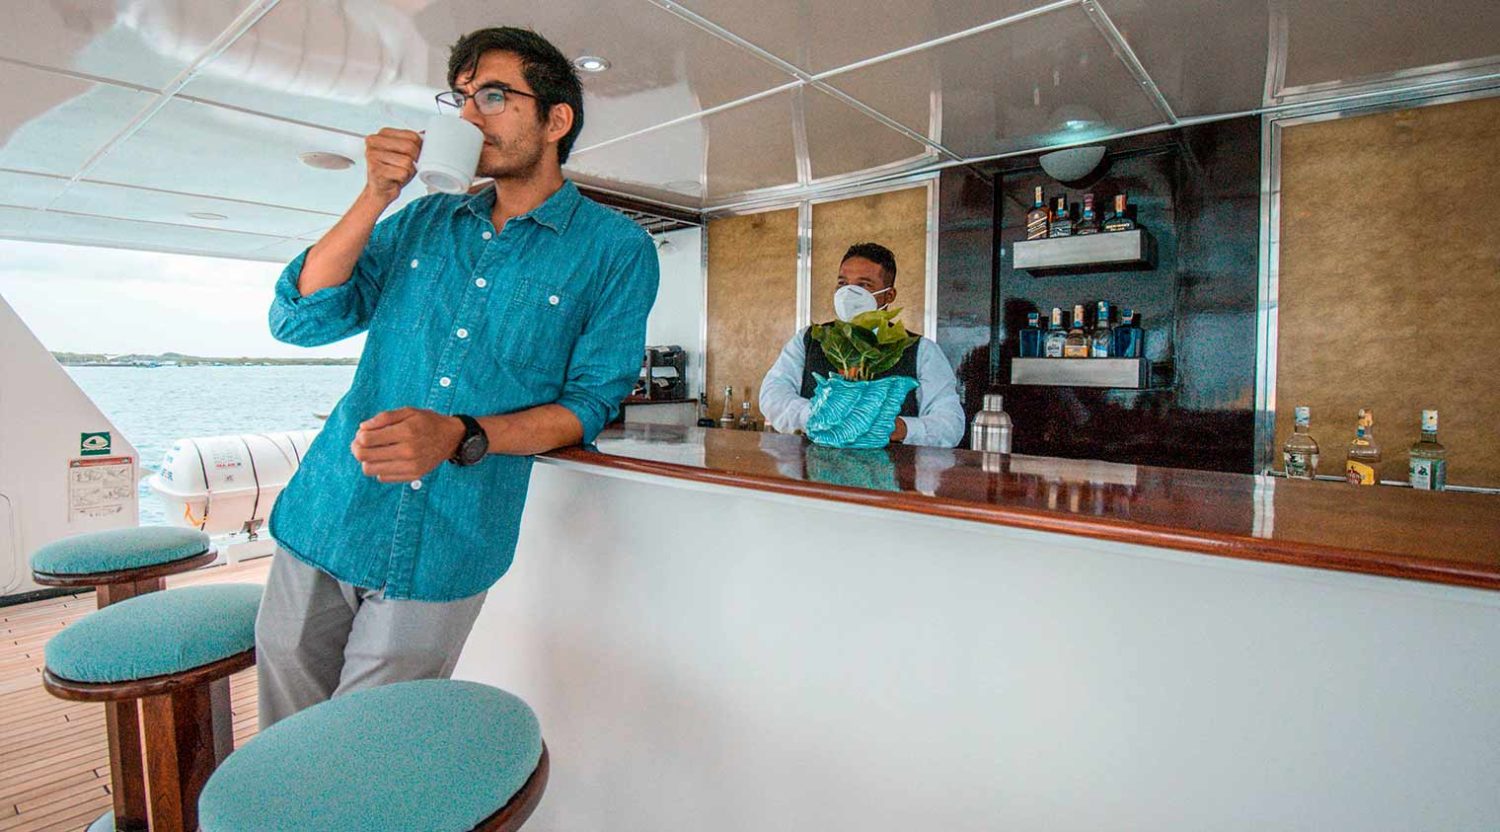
931 414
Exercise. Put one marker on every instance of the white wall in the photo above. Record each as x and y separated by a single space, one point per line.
677 316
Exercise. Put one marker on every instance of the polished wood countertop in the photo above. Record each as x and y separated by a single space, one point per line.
1449 537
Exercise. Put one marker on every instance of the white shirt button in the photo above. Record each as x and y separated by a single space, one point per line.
552 300
462 333
445 381
480 282
414 264
416 485
486 235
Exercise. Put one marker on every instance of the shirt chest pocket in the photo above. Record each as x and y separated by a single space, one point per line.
541 324
410 293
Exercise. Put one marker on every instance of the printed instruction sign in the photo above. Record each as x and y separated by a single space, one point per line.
100 487
94 444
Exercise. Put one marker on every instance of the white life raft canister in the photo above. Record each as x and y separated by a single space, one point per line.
227 484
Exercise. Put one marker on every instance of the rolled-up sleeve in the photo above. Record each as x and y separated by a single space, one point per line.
607 355
336 312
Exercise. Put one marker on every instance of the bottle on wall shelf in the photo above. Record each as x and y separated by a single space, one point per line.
1119 219
1088 222
1057 335
1031 336
1076 344
1361 465
1427 461
726 419
1300 453
1036 218
1062 219
1128 336
1101 341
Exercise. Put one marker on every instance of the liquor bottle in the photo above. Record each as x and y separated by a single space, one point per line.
1077 343
704 420
1102 338
1361 466
1300 453
1062 219
1128 336
726 419
1031 336
1057 336
1119 219
1427 466
1089 222
746 421
1036 218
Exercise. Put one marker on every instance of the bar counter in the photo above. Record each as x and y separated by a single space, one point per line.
1450 537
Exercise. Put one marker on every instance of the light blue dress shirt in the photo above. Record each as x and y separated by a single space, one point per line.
940 415
462 318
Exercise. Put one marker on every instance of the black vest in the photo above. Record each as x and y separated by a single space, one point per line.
818 363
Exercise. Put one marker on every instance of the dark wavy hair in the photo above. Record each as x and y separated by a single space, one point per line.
547 70
877 254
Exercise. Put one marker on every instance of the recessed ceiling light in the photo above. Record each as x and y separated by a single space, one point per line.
590 63
207 215
325 160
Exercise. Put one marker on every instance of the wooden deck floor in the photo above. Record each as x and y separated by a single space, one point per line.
54 764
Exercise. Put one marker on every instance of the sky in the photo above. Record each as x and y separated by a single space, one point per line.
88 299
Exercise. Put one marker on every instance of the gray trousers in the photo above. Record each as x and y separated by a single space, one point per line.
317 637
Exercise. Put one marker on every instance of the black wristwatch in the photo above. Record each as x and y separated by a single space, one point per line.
474 445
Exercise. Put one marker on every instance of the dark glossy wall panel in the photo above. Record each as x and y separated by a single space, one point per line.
1196 191
966 278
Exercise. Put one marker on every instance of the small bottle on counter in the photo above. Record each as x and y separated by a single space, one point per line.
746 421
726 419
1427 465
990 431
704 420
1031 336
1300 453
1362 464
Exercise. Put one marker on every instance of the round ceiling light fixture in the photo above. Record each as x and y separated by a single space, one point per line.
590 63
207 215
1072 164
325 160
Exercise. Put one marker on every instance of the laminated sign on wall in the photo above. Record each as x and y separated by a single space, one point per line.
101 487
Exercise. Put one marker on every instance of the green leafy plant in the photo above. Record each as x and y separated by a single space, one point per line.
865 347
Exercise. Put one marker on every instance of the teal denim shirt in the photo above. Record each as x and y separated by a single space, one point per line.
462 318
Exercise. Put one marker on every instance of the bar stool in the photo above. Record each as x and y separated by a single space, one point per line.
121 564
164 649
435 755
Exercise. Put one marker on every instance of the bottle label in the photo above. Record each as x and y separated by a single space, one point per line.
1075 351
1036 228
1358 473
1300 465
1428 474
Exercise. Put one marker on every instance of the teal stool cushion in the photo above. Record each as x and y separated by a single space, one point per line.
433 755
118 549
157 633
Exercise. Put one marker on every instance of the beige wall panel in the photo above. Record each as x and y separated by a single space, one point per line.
1390 282
896 220
752 301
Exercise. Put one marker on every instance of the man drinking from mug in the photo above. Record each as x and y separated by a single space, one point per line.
501 325
931 415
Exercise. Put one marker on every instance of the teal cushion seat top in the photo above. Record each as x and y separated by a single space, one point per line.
157 633
433 755
118 549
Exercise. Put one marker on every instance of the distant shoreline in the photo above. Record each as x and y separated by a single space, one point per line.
172 359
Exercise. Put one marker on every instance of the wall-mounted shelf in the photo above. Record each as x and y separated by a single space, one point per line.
1120 250
1128 373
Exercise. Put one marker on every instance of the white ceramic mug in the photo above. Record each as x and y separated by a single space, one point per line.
450 154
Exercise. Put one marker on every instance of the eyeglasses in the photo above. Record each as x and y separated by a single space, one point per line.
489 100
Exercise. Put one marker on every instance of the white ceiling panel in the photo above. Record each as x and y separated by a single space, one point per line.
201 149
816 36
1334 42
1046 80
30 190
117 233
1206 58
842 140
143 42
53 124
175 208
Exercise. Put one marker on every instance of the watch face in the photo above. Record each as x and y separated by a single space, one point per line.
473 449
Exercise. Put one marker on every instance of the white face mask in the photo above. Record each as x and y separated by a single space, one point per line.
849 302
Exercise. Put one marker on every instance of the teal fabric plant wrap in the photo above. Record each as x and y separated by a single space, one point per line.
856 414
118 549
867 468
434 755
